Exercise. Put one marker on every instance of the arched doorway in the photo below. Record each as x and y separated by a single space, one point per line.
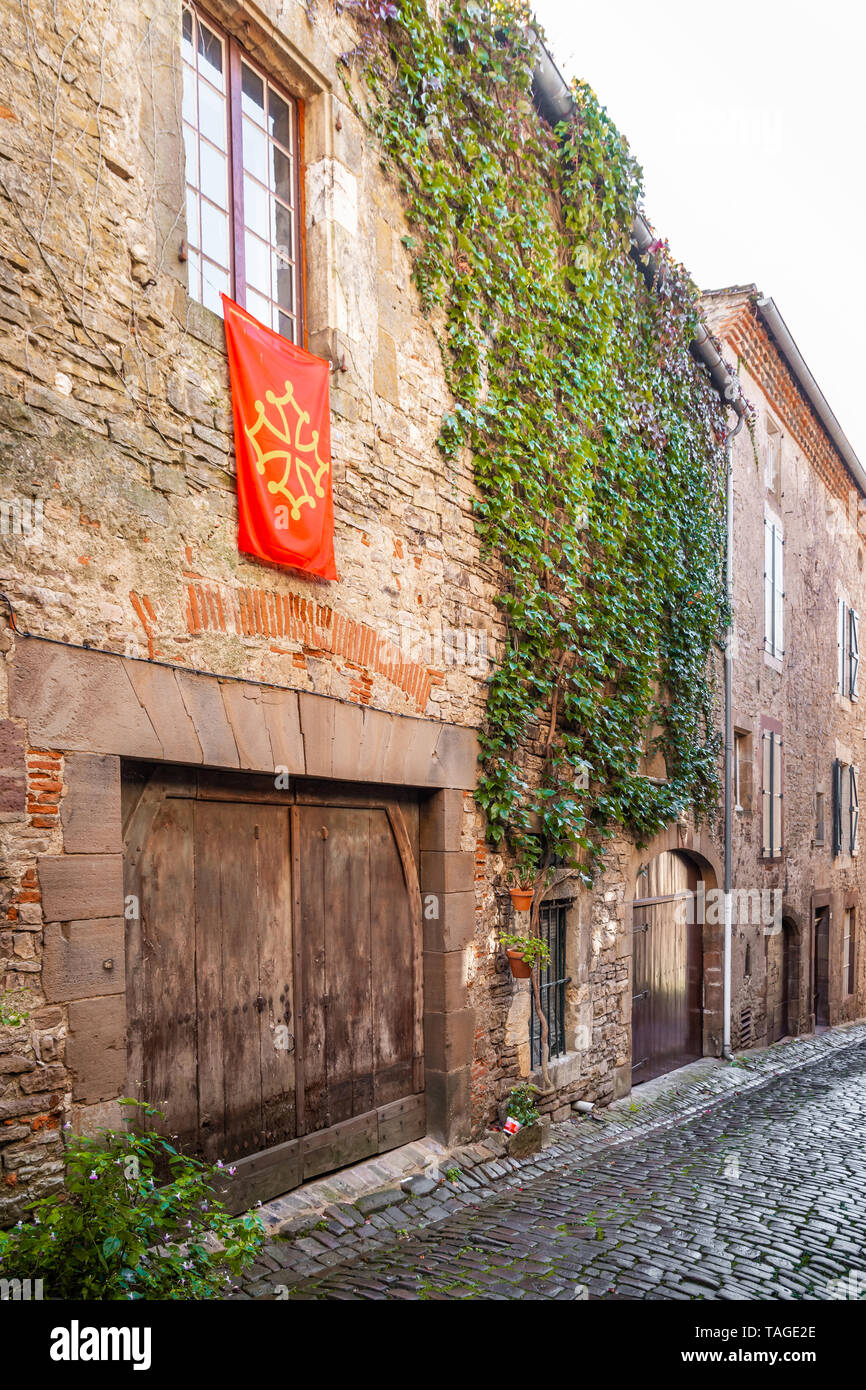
667 967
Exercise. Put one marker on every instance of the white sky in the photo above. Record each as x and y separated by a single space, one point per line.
750 123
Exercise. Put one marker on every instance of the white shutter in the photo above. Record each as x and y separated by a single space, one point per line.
842 645
854 812
777 793
768 586
766 794
779 595
854 646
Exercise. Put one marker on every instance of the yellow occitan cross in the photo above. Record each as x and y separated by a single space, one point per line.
310 471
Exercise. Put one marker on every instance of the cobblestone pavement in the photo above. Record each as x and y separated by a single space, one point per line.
761 1194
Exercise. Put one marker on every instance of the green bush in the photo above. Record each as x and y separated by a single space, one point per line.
521 1104
136 1219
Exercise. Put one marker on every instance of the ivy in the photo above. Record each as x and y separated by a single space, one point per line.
596 439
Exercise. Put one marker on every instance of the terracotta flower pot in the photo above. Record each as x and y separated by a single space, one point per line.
519 969
521 899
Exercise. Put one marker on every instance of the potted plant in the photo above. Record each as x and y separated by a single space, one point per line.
525 952
521 886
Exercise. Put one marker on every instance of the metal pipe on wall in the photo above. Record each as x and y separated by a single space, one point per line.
729 735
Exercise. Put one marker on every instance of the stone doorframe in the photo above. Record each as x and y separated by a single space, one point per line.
683 838
95 708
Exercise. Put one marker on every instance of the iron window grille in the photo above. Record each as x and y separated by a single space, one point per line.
241 136
552 980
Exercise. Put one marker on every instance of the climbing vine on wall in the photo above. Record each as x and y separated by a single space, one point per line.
598 444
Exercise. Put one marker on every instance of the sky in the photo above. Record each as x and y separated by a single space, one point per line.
750 123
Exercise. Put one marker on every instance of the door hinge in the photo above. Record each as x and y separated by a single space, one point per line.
644 994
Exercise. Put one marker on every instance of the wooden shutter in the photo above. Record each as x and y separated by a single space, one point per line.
842 646
778 595
774 592
837 807
768 586
854 651
771 793
853 811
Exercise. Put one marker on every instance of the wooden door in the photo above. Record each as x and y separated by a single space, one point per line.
822 968
360 968
275 973
667 969
210 980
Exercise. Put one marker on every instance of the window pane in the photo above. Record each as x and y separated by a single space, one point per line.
255 206
212 115
214 174
278 118
257 306
255 151
187 48
193 231
194 273
210 56
280 175
281 230
213 280
252 95
214 233
189 95
258 273
286 326
283 282
190 145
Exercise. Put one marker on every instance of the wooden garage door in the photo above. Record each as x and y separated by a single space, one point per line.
274 974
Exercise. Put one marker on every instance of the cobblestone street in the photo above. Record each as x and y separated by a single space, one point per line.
760 1196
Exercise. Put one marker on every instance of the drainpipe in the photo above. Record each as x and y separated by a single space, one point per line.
729 733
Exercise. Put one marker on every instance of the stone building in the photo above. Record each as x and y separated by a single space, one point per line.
798 726
242 873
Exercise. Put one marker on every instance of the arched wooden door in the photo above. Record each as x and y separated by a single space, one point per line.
667 968
274 973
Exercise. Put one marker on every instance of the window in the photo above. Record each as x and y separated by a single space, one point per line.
848 650
742 771
846 808
242 180
771 793
848 952
773 467
774 593
551 981
819 818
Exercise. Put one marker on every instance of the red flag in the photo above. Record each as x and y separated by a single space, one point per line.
282 419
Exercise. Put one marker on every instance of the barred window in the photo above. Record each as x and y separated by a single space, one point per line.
241 140
551 980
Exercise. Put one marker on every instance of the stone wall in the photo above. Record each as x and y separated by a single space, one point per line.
819 506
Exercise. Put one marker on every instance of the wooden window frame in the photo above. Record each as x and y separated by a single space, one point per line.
235 55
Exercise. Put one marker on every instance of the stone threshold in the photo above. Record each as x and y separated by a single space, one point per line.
349 1214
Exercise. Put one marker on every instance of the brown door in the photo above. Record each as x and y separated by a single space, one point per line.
822 968
666 969
274 973
210 973
361 1050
